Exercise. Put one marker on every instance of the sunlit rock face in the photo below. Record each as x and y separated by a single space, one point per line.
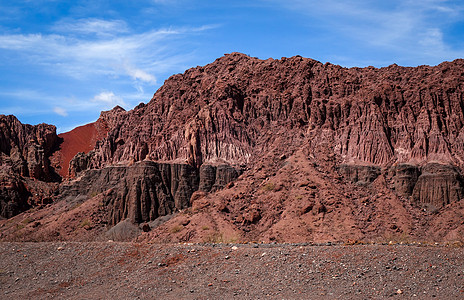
317 137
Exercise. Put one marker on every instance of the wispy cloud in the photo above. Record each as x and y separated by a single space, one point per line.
138 74
60 111
413 29
96 54
135 55
109 99
81 57
102 28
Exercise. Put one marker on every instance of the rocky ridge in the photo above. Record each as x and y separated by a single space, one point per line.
356 142
26 173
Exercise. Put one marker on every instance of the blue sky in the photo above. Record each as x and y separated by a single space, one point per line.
62 62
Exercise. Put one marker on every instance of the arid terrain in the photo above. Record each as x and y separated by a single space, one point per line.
245 150
329 182
70 270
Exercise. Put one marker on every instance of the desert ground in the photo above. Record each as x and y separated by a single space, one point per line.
115 270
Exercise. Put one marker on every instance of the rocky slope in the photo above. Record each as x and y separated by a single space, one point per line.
327 153
26 174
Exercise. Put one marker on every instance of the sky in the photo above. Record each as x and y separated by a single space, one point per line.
62 62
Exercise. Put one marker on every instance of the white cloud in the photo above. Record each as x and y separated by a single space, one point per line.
136 56
432 38
92 26
138 74
60 111
109 99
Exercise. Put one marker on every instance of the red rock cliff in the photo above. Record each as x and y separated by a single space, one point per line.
225 110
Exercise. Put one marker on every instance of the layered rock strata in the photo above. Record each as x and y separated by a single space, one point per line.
438 185
397 133
223 110
234 110
146 190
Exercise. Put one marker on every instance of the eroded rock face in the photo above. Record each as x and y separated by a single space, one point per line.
26 148
146 190
438 185
230 111
234 110
359 174
25 152
13 195
78 163
213 178
405 178
238 110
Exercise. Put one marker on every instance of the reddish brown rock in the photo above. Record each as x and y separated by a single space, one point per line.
76 143
13 195
27 149
232 110
438 185
349 145
360 174
25 152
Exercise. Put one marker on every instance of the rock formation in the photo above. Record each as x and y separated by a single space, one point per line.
438 185
147 190
384 137
13 195
26 149
25 152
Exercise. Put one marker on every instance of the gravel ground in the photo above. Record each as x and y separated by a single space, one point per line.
222 271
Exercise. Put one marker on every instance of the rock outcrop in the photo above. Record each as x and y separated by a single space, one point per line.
222 112
438 185
235 110
405 178
213 178
27 149
13 195
368 140
433 185
25 152
359 174
146 190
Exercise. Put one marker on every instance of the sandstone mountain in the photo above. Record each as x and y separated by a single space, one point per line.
248 149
